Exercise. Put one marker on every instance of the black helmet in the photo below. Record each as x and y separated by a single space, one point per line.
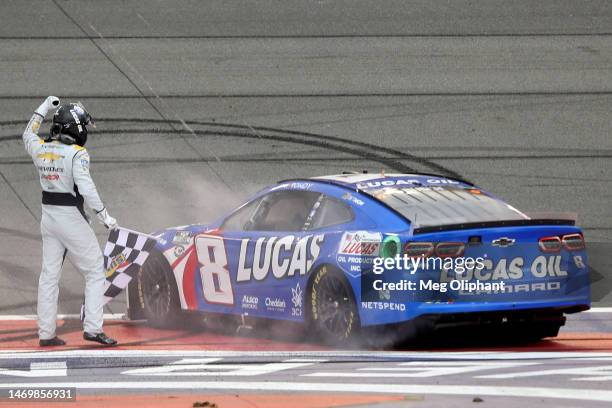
70 124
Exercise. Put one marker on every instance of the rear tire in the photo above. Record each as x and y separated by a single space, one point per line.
332 312
158 293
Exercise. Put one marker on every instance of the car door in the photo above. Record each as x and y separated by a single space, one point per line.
265 248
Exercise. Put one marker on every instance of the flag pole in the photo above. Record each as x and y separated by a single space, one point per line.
137 232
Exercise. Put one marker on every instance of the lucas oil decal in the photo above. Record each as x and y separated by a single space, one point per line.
402 182
515 269
281 256
360 243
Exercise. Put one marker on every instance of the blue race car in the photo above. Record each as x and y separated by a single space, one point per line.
337 254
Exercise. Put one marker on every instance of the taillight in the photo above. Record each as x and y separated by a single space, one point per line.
573 242
418 249
550 244
449 249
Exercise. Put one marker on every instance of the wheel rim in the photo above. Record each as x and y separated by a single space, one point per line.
334 307
156 291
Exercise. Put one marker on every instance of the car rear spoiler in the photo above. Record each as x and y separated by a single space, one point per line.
559 219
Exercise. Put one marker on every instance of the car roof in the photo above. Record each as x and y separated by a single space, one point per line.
354 180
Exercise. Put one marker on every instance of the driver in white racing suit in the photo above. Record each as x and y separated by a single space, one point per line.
63 167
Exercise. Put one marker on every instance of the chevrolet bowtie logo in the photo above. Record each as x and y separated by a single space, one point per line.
503 242
49 156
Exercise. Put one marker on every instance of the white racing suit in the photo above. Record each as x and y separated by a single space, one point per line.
66 183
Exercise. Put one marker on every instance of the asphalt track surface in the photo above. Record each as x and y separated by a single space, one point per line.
199 105
182 366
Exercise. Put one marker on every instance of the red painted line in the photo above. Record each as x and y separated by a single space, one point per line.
234 400
569 341
22 335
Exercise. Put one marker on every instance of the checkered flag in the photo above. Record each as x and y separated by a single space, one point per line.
125 252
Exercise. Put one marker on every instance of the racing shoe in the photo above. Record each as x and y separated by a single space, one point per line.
56 341
99 338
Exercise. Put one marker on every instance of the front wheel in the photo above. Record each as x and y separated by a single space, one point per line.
158 293
332 313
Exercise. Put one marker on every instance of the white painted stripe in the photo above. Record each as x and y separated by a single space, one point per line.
533 392
306 360
39 369
390 355
390 374
107 316
599 310
202 367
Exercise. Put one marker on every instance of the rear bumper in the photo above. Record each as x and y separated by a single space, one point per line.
470 328
512 318
381 313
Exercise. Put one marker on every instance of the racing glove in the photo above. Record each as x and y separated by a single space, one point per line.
51 102
106 220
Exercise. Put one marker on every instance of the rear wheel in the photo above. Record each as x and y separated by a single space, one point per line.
158 293
332 312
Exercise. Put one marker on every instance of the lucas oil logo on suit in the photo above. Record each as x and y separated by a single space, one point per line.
282 256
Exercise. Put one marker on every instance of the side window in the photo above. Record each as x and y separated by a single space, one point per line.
276 211
331 212
283 211
238 220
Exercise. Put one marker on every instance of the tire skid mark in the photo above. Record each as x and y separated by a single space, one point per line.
384 155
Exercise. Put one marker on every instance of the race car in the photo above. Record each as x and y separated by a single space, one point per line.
331 253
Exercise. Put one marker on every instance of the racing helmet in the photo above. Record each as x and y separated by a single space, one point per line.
70 124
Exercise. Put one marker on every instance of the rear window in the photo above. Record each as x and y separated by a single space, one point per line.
435 206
